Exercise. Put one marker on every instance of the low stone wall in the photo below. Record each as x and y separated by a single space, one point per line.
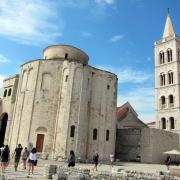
65 173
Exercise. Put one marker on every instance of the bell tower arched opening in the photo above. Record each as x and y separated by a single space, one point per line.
3 124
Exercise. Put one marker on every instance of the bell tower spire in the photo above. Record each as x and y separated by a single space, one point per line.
169 29
167 78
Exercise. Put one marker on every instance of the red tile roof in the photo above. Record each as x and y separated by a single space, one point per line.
123 110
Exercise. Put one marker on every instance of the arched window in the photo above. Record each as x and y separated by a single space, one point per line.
9 92
95 134
107 135
172 125
162 79
178 54
169 55
171 100
163 101
72 131
163 122
5 93
170 77
161 57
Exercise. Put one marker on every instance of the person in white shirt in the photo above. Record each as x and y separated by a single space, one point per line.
32 160
111 159
1 149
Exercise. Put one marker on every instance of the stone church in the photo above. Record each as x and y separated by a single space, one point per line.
167 79
60 103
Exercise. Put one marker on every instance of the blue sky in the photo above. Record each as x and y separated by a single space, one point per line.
118 35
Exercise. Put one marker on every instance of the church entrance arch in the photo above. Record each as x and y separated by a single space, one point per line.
3 124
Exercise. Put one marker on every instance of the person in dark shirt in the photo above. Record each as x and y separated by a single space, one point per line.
168 162
96 160
71 159
4 158
17 156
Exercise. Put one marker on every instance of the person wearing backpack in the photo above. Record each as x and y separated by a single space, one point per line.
4 158
25 155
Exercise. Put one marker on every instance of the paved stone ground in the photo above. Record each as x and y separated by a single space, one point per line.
39 170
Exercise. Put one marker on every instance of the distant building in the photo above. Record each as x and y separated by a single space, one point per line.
128 134
60 103
128 118
151 124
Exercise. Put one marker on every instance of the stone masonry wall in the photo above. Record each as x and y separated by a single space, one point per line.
154 142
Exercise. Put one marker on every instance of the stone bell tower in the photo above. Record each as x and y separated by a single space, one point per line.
167 79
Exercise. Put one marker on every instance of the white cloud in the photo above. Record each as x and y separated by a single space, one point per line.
117 38
133 76
129 75
142 100
104 1
86 34
30 21
140 94
3 59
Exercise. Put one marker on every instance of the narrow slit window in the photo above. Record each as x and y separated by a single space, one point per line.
72 131
107 135
95 134
66 55
66 78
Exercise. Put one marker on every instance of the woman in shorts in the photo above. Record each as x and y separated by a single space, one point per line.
32 160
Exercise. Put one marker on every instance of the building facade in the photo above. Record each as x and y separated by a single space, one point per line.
167 79
60 103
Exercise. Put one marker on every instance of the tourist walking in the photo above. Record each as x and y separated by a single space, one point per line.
168 162
4 158
95 160
111 160
71 159
17 156
1 148
25 155
32 161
